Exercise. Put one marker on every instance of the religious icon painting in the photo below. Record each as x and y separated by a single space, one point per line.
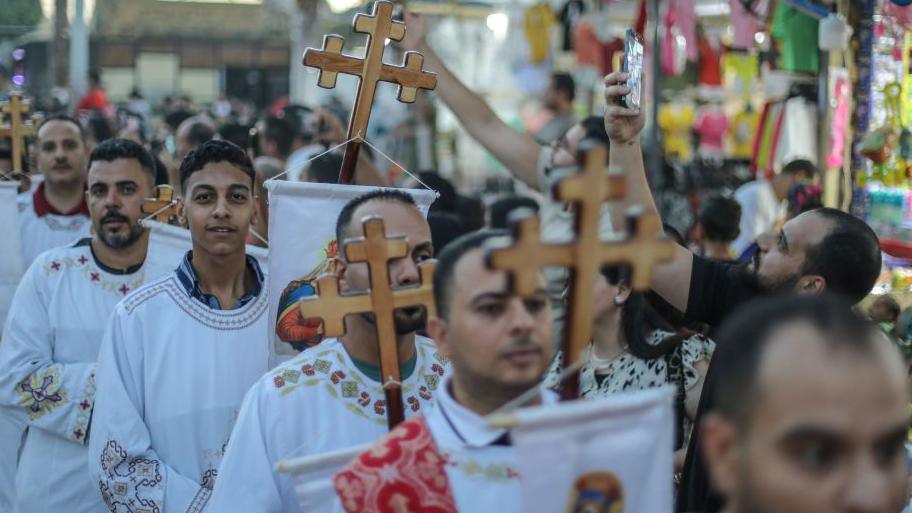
290 326
596 492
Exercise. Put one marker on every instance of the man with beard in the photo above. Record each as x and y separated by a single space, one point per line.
56 213
180 352
330 397
55 327
810 412
448 458
822 251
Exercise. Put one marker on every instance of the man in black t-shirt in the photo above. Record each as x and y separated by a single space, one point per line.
820 251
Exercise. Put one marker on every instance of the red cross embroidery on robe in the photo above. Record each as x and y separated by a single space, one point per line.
403 473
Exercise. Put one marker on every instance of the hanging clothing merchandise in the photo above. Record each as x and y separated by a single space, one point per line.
743 132
712 124
743 69
538 21
796 33
676 121
710 62
674 49
587 46
569 15
746 19
682 15
798 134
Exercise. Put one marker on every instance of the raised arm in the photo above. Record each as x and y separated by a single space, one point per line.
672 280
516 150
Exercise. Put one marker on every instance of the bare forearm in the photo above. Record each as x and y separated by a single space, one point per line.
627 157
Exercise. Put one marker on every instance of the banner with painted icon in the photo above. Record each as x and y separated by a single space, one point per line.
302 240
609 455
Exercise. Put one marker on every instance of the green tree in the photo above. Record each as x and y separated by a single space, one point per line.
23 14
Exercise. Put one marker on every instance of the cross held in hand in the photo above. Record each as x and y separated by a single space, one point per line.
331 61
526 255
163 207
17 126
377 250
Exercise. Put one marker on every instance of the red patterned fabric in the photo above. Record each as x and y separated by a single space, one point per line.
403 473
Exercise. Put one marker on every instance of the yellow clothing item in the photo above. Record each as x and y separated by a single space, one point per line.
538 21
743 130
676 122
741 69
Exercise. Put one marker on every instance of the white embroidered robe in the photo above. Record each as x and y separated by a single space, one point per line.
172 373
39 234
314 403
47 372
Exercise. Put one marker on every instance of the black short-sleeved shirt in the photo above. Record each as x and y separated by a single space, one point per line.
716 290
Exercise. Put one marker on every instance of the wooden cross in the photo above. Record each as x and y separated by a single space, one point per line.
19 127
331 61
331 306
163 207
526 255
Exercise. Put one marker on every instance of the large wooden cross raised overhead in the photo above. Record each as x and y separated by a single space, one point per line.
331 306
526 254
370 70
17 126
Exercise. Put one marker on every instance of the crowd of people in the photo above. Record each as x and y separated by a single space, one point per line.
124 394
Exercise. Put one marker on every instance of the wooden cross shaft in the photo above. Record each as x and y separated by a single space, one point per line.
370 70
163 207
526 255
382 300
18 127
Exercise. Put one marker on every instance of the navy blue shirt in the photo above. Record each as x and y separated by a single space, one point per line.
187 277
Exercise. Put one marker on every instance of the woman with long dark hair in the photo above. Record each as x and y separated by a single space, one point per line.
635 348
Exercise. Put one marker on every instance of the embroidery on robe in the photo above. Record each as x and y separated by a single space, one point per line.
133 485
227 320
473 469
84 410
207 483
403 472
93 275
42 393
363 398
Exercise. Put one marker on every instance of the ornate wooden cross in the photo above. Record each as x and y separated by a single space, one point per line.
19 127
331 61
163 206
526 255
331 306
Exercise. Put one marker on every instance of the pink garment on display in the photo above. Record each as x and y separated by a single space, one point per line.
840 123
712 127
686 21
744 24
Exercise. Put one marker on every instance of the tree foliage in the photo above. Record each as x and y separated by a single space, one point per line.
20 13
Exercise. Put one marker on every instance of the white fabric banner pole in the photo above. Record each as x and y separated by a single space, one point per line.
611 454
302 225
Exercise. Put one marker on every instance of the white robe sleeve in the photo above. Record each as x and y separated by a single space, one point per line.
129 472
246 479
48 395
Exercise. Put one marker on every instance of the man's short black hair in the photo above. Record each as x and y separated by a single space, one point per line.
199 132
744 338
325 168
720 218
447 261
564 83
235 132
594 126
216 151
113 149
848 257
800 165
343 223
65 119
279 131
501 208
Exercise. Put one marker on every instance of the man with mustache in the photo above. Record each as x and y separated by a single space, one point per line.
448 458
180 352
56 324
56 213
330 397
822 251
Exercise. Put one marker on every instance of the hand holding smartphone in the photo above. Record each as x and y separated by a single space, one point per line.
633 66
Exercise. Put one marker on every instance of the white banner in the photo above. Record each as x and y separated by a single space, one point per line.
302 226
11 268
168 244
612 454
313 476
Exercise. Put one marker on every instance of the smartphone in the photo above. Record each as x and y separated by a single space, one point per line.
633 66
